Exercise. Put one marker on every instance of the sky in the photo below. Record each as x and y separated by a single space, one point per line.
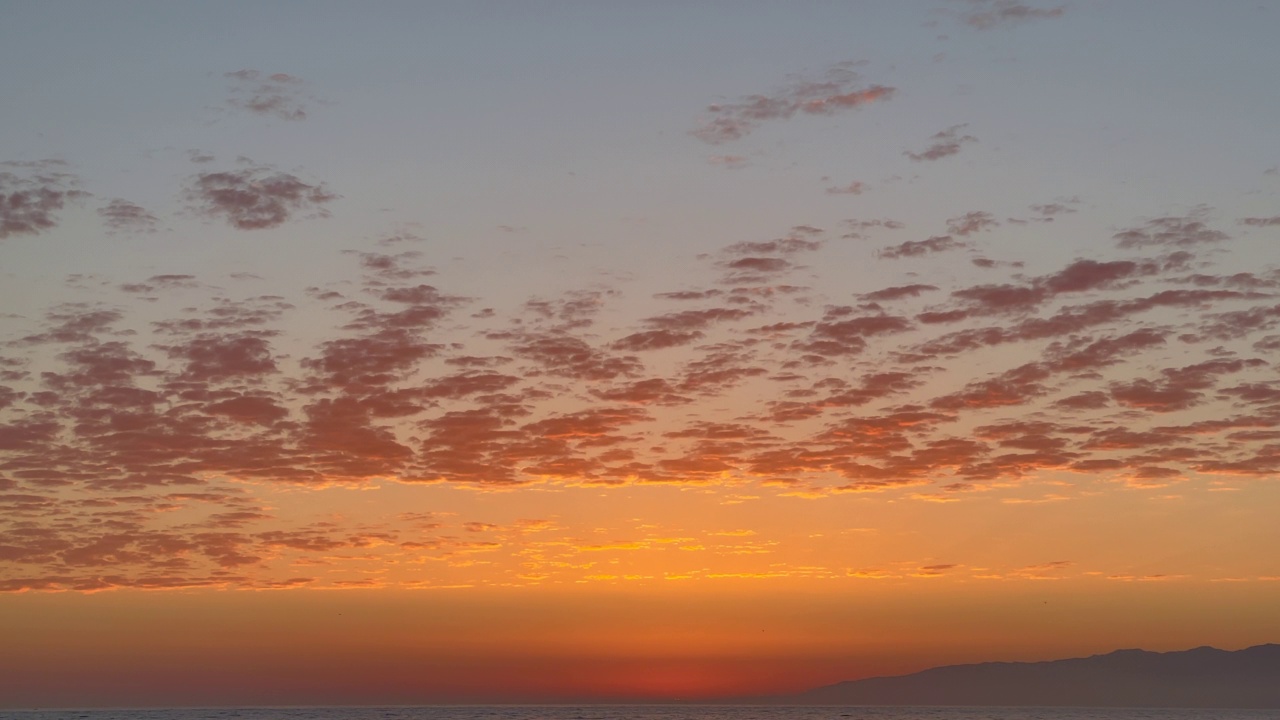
408 352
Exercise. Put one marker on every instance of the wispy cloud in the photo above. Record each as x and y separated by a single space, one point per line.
988 14
854 188
277 95
728 162
124 216
1184 231
916 248
839 89
945 144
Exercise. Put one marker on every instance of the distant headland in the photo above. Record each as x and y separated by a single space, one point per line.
1202 677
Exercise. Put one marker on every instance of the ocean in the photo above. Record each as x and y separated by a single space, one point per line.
644 712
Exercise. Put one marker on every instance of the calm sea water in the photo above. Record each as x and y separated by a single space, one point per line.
645 712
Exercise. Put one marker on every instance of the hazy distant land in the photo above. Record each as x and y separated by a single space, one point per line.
1202 677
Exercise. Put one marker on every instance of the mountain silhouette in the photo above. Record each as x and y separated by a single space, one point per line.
1201 677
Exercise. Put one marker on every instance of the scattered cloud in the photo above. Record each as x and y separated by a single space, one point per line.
917 248
728 162
858 229
839 89
945 143
854 188
1049 211
255 198
161 282
970 223
988 14
278 94
1173 231
1261 221
124 216
32 194
897 292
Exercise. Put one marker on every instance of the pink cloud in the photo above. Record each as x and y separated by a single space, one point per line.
1091 275
212 358
657 339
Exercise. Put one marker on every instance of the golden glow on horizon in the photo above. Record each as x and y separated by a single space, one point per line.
725 639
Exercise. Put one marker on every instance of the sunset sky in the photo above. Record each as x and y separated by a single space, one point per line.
416 352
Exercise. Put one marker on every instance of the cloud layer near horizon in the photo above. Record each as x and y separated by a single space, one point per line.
133 446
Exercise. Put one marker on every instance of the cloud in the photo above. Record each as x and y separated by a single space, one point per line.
970 223
857 229
161 282
277 95
924 391
1186 231
369 361
1260 221
783 246
654 391
255 198
842 331
657 339
214 358
75 323
763 262
872 387
224 314
124 216
32 194
1013 387
1175 388
945 144
391 268
988 14
897 292
1048 211
1089 354
728 162
918 248
1080 276
716 370
466 384
1084 275
839 89
575 310
256 410
854 188
1152 476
